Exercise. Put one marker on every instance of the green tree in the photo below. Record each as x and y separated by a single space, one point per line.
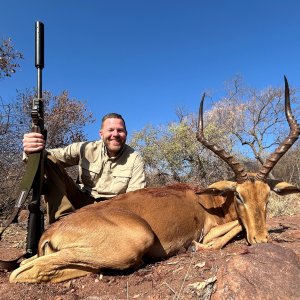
172 152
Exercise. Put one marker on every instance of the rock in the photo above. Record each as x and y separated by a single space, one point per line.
266 271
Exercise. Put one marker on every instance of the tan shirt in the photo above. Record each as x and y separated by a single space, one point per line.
99 174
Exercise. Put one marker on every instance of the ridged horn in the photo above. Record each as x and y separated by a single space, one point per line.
273 159
237 168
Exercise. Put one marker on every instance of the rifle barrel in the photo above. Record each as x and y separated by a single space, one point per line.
39 55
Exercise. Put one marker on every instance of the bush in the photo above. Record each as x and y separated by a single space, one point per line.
283 205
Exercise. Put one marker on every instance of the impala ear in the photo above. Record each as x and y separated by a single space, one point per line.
285 188
216 189
219 188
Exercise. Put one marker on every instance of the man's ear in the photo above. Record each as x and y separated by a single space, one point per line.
100 133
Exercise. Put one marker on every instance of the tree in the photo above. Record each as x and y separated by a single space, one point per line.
65 119
288 167
255 119
245 122
172 152
263 117
9 58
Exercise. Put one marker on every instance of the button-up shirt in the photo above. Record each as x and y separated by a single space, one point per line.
100 175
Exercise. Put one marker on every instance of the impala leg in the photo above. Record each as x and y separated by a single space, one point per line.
219 230
219 241
27 260
120 243
48 268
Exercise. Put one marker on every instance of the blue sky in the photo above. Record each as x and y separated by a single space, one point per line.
144 59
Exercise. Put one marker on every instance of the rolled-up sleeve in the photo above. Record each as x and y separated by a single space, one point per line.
138 179
68 156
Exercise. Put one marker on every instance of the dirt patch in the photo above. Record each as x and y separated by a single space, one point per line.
188 275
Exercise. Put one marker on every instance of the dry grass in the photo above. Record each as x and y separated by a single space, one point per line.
283 205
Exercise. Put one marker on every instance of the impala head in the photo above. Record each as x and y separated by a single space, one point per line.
251 191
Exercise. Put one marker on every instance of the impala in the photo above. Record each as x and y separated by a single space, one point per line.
155 223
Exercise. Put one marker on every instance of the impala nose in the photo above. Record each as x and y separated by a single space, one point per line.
260 239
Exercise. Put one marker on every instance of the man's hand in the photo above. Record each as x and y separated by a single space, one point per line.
33 142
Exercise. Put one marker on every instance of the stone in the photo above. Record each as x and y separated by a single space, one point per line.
265 271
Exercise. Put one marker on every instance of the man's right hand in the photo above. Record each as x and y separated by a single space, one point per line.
33 142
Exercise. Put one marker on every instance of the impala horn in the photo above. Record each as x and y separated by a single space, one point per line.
237 168
273 159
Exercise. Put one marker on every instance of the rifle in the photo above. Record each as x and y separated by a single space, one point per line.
36 216
34 173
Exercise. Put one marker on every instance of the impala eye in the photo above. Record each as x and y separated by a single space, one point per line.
239 199
266 205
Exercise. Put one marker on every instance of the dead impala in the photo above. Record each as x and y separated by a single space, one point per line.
155 223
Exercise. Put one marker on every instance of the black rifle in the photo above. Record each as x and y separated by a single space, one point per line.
34 173
36 216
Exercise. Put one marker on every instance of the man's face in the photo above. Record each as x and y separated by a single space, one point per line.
114 135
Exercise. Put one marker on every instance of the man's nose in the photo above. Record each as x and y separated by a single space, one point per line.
115 132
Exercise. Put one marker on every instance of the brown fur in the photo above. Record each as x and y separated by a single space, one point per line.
148 224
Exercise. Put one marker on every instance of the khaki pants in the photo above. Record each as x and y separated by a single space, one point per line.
62 196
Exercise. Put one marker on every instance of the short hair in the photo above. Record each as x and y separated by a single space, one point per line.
113 116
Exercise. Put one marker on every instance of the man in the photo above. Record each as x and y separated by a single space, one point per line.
106 168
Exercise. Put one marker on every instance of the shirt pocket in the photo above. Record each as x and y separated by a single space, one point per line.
89 174
120 181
